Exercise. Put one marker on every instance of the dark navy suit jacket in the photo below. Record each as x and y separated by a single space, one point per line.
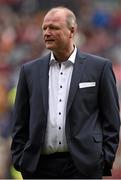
92 116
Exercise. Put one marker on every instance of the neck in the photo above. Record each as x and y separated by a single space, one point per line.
62 56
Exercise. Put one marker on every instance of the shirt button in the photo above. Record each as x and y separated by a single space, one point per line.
61 73
60 100
59 113
60 86
59 128
59 142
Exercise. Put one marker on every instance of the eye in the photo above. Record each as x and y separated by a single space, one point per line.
53 27
44 28
56 28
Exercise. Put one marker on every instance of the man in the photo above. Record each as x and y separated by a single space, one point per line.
66 116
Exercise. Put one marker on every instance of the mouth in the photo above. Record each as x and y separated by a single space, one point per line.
49 40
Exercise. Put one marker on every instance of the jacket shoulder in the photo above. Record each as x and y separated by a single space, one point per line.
95 58
36 62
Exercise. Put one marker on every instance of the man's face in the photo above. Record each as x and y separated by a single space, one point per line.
56 32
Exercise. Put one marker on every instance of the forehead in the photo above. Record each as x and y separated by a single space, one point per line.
55 17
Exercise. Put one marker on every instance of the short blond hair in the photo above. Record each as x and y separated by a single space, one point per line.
70 16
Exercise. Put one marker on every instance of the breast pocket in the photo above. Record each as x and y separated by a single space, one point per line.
87 98
87 90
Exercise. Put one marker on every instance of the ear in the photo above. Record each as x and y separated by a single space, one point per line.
72 32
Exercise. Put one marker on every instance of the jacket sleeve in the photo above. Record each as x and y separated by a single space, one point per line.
20 119
110 119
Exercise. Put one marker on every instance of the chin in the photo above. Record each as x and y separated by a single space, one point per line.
49 47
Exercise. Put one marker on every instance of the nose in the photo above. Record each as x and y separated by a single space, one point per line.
47 32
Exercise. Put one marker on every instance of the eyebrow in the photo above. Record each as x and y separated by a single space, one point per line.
50 25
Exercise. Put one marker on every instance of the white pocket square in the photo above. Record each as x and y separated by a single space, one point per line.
87 84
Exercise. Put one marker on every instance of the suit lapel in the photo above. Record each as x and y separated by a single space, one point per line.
44 81
76 78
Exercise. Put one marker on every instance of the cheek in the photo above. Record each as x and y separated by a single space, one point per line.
66 35
62 36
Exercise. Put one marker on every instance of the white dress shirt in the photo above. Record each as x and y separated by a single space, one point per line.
59 85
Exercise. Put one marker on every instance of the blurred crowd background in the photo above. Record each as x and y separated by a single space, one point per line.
99 32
